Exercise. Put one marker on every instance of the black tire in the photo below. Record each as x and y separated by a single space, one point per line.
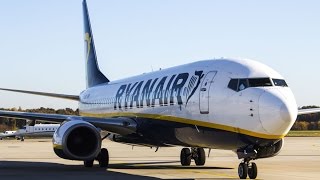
103 158
88 163
242 171
201 157
185 157
253 171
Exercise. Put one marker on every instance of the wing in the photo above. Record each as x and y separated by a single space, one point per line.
63 96
118 125
308 111
41 133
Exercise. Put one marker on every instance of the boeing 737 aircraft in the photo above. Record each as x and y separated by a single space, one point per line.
231 104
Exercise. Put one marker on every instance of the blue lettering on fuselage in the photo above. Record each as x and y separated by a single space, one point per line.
163 91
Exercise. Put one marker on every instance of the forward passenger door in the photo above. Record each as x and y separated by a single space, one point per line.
204 97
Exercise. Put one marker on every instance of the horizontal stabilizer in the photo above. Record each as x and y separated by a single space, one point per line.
63 96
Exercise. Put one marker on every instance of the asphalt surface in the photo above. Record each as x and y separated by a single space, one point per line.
35 159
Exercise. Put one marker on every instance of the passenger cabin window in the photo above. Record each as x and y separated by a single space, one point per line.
280 82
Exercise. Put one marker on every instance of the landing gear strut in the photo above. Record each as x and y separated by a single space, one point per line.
197 154
102 158
246 168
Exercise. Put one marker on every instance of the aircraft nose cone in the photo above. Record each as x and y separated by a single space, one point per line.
277 111
286 113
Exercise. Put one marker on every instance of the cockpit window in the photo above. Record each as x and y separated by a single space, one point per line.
259 82
241 84
280 82
233 84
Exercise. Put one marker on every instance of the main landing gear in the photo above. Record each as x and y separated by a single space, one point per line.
247 168
20 138
102 158
197 154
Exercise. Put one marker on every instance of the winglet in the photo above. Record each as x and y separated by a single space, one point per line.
93 73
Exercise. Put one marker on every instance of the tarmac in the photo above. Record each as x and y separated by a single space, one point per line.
35 159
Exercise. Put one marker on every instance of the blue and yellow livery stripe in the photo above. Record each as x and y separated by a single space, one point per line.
186 121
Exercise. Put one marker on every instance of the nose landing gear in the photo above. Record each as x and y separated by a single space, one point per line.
253 171
246 168
185 157
197 154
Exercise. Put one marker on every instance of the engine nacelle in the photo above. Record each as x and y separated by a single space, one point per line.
270 151
77 140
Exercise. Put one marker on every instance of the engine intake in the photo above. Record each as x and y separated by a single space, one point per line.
77 140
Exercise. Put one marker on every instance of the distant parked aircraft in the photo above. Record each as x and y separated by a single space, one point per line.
7 134
39 130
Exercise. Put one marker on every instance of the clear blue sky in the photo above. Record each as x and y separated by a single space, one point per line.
42 41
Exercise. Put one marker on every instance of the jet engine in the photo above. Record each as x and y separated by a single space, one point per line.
76 139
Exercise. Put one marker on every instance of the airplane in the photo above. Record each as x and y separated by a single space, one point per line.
38 130
7 134
232 104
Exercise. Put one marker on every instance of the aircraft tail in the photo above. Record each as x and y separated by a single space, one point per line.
93 74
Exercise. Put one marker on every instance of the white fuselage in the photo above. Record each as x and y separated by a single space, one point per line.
38 129
201 94
8 132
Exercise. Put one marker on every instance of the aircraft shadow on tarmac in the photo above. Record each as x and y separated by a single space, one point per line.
14 170
159 165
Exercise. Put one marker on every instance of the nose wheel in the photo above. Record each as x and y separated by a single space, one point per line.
197 154
247 169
